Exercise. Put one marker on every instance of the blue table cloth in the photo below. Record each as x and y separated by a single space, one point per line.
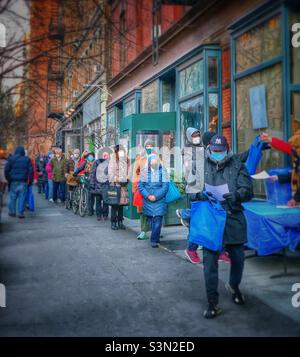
270 229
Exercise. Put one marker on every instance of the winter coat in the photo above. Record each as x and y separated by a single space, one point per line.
99 176
154 183
193 165
49 170
58 169
3 162
19 167
231 171
40 163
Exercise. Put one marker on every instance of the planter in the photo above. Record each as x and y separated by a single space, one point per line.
171 218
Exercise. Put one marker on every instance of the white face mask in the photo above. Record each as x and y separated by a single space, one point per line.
121 154
196 141
76 156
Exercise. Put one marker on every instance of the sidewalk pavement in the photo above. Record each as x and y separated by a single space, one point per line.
258 272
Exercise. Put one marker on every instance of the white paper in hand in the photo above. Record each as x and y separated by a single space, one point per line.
261 176
217 191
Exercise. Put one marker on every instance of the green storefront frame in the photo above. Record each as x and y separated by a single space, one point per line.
133 124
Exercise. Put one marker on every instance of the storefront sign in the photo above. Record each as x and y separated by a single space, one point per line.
91 108
258 107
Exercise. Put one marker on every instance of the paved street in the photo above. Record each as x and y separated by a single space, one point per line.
72 276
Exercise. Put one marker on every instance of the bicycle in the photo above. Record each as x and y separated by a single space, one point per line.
80 197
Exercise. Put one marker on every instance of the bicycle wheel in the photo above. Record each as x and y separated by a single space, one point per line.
83 202
76 200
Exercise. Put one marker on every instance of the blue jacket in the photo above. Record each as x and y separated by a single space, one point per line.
19 167
154 183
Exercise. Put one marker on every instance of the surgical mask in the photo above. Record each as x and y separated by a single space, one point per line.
218 156
149 150
196 141
58 156
90 158
76 156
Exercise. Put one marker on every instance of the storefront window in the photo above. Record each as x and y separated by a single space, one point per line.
150 97
272 79
212 72
167 97
295 112
260 44
191 115
191 79
295 53
129 107
213 112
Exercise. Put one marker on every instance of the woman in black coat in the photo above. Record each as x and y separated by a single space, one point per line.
98 181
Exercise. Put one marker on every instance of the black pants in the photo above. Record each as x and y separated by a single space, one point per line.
211 271
116 213
101 207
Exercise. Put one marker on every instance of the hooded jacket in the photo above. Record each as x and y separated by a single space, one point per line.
19 167
154 183
193 165
231 171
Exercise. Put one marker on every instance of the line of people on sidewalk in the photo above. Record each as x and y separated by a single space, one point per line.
207 161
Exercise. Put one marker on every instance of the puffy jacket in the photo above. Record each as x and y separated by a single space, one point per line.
193 164
19 167
154 183
231 171
49 170
99 176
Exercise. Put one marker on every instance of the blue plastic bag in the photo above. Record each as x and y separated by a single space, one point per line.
255 155
30 199
208 219
173 194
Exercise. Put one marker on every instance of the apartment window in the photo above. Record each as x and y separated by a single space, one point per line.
129 107
191 79
150 97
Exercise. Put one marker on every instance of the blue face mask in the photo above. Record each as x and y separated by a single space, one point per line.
149 151
218 156
90 158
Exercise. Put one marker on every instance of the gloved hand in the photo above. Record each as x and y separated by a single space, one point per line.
232 198
266 146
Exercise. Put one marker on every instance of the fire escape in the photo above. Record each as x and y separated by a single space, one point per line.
55 72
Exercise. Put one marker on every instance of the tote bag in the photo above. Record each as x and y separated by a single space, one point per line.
30 199
173 194
255 155
112 195
208 219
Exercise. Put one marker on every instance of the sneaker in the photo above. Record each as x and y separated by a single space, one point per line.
105 218
21 216
224 257
154 245
212 311
12 215
99 218
58 200
192 256
142 236
51 200
184 222
237 296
